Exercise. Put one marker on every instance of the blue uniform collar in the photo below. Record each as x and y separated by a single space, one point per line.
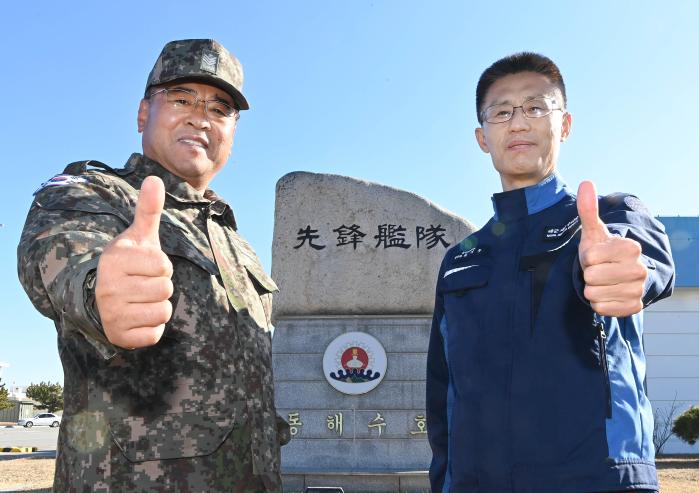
516 204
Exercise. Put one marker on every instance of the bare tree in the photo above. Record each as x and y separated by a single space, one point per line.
664 420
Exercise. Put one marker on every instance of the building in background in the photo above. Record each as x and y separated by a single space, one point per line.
672 331
17 392
14 392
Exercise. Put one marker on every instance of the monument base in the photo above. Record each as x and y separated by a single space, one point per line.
371 442
359 482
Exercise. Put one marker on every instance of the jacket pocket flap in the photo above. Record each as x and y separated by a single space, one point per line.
171 436
465 277
174 241
260 276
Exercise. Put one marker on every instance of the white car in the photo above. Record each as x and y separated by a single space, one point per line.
43 419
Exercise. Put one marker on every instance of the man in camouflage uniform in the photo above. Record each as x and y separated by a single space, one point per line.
162 309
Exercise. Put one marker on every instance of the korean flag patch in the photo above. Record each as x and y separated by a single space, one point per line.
61 180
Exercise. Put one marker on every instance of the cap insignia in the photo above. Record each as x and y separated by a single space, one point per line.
209 61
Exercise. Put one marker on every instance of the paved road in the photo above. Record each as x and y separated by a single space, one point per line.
42 437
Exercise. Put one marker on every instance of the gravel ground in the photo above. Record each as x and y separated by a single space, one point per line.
34 475
677 474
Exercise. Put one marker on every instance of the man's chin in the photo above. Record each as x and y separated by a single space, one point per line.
519 167
187 167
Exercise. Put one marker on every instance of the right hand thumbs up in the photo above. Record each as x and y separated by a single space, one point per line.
133 284
149 207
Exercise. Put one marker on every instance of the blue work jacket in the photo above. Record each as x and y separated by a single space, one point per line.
528 390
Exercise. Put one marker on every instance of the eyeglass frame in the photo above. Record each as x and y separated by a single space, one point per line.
521 106
235 113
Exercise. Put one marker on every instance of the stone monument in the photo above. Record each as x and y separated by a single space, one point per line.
356 264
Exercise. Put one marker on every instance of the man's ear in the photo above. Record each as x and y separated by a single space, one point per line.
480 138
142 117
566 125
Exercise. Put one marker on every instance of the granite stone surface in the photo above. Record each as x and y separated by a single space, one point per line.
312 335
345 456
345 246
394 483
305 367
355 423
383 431
320 395
354 256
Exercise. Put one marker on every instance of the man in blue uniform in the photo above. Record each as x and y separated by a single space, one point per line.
535 371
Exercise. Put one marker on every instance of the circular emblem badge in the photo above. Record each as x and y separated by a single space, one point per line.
354 363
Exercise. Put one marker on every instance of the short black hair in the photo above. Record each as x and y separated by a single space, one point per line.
519 62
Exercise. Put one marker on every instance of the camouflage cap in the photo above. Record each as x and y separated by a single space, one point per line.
200 60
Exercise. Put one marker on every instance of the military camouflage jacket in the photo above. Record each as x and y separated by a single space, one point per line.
196 411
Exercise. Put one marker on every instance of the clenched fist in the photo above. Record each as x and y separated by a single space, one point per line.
133 284
612 268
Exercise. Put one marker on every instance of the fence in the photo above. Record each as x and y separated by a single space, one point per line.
19 410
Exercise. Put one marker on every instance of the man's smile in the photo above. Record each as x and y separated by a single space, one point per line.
520 145
194 140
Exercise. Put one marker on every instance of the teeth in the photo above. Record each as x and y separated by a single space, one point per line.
191 142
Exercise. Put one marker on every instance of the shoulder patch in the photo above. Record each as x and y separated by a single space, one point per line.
60 180
622 200
635 204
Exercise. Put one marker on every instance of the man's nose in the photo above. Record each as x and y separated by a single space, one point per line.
199 116
518 120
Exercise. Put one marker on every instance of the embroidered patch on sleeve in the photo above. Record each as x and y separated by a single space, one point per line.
635 204
61 180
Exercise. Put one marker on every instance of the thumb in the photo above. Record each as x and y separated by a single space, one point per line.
149 207
593 229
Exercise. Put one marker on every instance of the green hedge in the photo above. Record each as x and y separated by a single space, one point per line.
687 425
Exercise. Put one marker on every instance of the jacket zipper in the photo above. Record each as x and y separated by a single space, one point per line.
510 323
602 339
531 301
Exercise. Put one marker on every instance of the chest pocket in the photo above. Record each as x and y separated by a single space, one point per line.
459 280
466 300
265 286
174 241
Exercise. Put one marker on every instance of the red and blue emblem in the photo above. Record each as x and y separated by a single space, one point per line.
354 363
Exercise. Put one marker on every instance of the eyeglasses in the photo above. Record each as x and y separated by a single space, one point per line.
532 108
182 100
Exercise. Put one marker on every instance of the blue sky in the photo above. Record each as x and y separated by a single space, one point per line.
378 90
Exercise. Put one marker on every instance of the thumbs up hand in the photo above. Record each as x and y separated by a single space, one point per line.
134 276
612 268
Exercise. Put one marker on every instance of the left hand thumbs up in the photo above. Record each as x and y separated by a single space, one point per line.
612 268
594 231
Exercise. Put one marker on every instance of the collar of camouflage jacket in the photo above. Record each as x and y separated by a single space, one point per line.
178 189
